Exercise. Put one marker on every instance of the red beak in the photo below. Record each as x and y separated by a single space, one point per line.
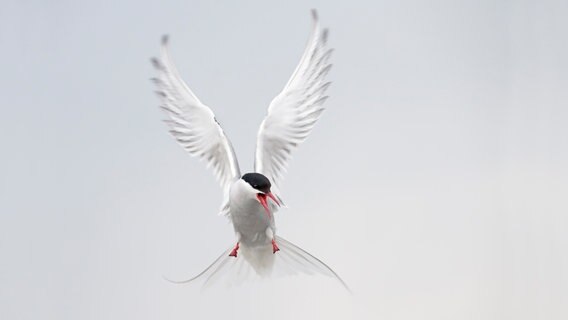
271 196
262 199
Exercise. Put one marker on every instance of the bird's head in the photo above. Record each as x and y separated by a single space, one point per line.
261 187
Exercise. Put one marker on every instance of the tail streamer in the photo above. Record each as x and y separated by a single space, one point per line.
260 262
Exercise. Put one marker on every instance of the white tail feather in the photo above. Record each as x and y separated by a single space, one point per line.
260 262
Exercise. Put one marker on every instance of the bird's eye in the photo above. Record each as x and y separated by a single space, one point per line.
255 186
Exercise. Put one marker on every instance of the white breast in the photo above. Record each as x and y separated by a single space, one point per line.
250 220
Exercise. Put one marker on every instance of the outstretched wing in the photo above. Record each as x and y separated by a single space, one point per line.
193 124
293 113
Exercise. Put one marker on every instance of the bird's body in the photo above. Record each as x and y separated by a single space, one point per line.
250 200
253 226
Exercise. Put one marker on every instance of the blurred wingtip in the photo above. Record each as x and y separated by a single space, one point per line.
314 14
165 39
156 63
325 35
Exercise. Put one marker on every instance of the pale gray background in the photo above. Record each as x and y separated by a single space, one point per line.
435 183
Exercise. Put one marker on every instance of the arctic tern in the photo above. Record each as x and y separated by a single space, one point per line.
250 200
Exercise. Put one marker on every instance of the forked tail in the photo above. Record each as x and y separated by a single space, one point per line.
260 262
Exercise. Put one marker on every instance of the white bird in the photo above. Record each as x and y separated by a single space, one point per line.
250 200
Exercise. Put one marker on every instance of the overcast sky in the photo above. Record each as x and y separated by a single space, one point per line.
434 184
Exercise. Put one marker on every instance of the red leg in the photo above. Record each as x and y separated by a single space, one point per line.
234 251
274 247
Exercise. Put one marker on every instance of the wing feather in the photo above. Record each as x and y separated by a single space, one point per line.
293 113
193 124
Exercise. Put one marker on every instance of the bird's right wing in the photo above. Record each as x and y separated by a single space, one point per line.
193 124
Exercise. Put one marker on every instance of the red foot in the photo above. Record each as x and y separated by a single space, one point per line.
234 251
274 247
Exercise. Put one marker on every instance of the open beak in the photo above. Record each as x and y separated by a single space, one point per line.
262 199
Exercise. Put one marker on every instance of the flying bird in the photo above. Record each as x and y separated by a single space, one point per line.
251 199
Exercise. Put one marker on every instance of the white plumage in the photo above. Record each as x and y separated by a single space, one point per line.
291 116
293 113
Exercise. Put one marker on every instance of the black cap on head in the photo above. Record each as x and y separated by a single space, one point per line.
258 181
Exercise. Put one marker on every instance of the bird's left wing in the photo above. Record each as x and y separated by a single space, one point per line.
193 124
293 113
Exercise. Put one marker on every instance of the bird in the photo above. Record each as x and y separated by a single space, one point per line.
250 200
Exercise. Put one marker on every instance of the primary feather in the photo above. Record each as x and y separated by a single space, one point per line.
193 124
293 113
